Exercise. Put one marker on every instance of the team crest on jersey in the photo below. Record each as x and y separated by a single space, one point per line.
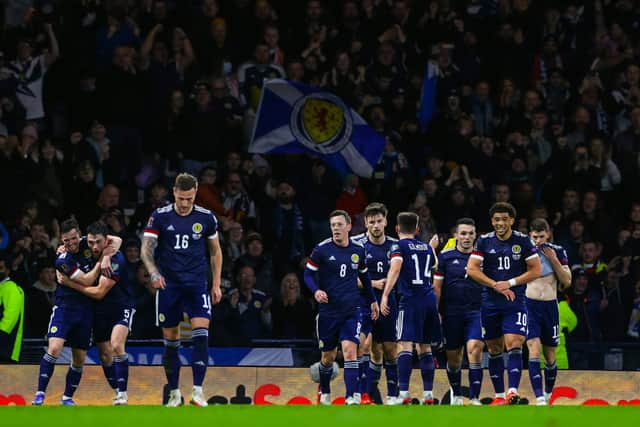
257 304
87 253
53 329
355 258
516 249
197 228
321 122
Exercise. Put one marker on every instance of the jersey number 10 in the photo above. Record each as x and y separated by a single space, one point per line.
427 270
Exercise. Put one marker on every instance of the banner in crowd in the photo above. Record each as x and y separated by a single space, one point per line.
218 356
264 386
295 118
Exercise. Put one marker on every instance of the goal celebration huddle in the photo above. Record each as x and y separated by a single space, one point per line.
378 297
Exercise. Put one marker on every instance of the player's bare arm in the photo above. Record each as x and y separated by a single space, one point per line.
392 278
81 278
563 272
474 270
147 250
215 259
437 288
96 292
534 269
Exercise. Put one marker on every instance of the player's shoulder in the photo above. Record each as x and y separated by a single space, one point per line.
448 252
359 238
164 209
259 293
489 235
558 248
325 242
202 210
391 239
358 243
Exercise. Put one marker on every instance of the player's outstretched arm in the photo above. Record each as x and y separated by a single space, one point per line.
96 292
215 259
87 279
147 250
534 270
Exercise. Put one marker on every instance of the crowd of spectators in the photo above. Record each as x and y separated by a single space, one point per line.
538 104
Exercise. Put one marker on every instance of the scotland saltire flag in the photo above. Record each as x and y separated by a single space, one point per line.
296 118
428 97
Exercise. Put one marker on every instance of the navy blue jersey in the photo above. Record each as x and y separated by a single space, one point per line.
378 259
338 269
72 265
504 260
459 294
418 260
121 293
182 244
547 268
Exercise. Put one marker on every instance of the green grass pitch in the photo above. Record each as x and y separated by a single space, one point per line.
282 416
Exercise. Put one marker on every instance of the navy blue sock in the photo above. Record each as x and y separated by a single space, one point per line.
171 362
121 368
109 374
535 376
496 371
428 370
514 366
47 364
373 378
475 380
74 374
200 354
351 369
363 367
325 378
405 364
391 372
455 380
550 373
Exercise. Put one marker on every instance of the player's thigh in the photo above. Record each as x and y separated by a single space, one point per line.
103 322
196 302
55 346
80 330
327 331
169 307
515 319
550 325
535 319
432 329
350 328
349 350
410 323
453 332
60 323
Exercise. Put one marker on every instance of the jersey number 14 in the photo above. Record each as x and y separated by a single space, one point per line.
419 275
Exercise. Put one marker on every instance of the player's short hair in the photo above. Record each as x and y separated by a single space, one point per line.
68 225
502 207
465 221
374 209
339 212
407 222
98 227
185 182
539 224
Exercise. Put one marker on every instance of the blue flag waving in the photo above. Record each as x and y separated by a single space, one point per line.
296 118
428 96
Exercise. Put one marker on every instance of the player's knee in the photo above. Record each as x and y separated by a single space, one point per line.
327 358
117 347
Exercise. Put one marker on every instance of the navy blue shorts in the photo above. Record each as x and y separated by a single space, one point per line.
73 325
510 318
171 302
418 321
544 322
332 330
384 329
108 317
460 328
367 324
